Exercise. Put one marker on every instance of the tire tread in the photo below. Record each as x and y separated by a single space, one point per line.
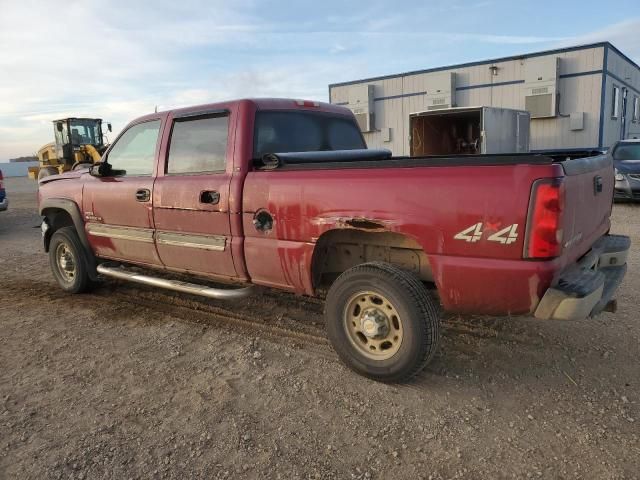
420 298
84 283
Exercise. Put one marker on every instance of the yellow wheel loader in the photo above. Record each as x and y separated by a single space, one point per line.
79 144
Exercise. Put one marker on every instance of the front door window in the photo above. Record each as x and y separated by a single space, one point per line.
134 152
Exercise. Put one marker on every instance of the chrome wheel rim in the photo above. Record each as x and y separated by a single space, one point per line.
66 262
373 325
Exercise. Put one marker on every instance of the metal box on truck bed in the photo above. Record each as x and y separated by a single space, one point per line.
469 130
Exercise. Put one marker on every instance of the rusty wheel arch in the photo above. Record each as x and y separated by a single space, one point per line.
62 212
364 241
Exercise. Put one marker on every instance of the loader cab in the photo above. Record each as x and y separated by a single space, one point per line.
72 133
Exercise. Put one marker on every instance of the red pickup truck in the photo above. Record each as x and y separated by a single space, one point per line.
283 193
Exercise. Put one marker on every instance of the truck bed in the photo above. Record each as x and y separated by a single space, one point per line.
311 194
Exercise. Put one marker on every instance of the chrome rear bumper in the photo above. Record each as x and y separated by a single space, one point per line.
587 287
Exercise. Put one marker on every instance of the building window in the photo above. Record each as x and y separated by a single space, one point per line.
615 105
636 110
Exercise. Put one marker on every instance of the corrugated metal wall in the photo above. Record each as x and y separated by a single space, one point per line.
580 86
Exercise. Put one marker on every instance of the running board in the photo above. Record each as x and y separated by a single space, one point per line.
176 285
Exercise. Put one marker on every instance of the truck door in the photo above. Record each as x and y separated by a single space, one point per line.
191 196
118 210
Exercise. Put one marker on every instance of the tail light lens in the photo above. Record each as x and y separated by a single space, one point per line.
1 177
544 226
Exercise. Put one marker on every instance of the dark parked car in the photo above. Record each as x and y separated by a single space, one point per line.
4 201
626 160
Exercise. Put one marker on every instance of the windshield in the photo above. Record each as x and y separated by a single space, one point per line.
295 131
84 132
627 151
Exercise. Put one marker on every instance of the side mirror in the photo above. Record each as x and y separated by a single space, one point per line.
109 127
59 126
99 170
104 169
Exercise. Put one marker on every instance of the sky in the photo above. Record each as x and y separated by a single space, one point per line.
118 60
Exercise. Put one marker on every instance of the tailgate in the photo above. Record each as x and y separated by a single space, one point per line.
588 188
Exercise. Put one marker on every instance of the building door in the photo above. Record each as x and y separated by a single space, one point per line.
191 197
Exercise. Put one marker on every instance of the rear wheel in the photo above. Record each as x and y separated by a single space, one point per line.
381 321
68 261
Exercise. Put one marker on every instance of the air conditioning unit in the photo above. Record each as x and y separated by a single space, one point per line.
441 91
541 86
360 102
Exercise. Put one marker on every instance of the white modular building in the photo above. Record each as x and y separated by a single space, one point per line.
582 97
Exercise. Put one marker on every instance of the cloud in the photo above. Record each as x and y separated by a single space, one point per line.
108 59
118 59
624 35
338 48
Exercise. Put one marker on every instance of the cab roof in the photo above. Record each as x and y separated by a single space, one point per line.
257 103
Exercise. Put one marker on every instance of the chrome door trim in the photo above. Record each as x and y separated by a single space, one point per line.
146 235
204 242
121 233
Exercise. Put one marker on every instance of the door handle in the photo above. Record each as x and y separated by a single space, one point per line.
210 196
143 195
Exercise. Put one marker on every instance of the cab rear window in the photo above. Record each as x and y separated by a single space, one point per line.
295 131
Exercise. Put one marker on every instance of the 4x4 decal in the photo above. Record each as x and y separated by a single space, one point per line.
472 234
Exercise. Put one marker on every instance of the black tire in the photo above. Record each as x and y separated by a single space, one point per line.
65 243
402 291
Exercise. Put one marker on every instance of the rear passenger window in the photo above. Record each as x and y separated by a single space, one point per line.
198 145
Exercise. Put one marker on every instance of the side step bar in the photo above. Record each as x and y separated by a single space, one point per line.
176 285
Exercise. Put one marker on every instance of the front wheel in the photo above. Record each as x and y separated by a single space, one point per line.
68 261
381 321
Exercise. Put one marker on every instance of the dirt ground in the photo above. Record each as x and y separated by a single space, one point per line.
128 382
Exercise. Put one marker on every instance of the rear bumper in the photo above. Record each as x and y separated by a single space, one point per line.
4 204
585 288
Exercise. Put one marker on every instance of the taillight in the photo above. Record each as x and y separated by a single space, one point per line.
1 185
544 225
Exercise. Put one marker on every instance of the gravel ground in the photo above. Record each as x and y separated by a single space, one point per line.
128 382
